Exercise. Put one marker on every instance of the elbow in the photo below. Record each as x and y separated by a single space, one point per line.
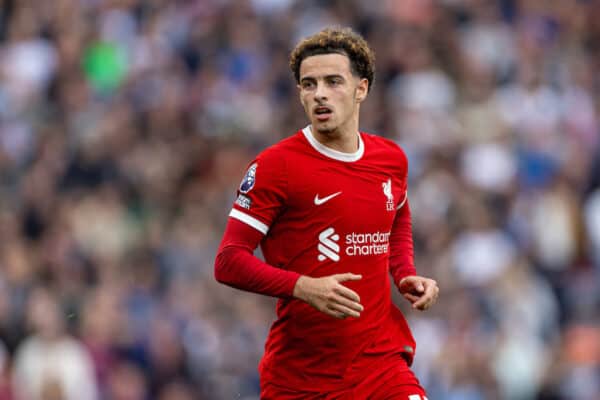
223 262
220 267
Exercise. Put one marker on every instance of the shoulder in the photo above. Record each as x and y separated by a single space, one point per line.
281 150
270 165
383 147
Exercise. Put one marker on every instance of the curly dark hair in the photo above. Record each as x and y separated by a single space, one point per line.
343 41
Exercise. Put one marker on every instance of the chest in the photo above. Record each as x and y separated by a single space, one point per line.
349 195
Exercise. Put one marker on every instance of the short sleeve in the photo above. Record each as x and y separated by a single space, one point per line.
262 192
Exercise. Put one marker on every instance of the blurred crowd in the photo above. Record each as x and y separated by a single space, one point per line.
125 128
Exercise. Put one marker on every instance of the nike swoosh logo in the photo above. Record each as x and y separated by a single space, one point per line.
319 201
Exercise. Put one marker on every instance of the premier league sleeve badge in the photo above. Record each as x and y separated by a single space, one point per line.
249 179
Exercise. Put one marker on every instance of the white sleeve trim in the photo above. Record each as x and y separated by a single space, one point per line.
403 201
247 219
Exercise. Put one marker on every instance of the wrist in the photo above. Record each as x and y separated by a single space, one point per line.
300 287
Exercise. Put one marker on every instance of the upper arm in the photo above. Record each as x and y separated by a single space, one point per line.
262 194
402 175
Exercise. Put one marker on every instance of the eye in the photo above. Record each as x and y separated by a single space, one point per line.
307 85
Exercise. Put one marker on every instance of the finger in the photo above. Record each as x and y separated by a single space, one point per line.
412 284
349 276
431 301
436 294
343 309
347 293
410 297
348 303
427 298
421 302
429 286
335 314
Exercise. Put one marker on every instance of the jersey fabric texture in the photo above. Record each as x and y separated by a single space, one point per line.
324 212
390 380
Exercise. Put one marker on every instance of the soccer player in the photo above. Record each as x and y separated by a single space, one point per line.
329 208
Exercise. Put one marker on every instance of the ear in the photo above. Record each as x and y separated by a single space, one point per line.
362 90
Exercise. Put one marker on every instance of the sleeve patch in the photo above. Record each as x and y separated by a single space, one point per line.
243 201
249 179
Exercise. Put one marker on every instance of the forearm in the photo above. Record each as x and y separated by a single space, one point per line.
240 269
401 245
236 265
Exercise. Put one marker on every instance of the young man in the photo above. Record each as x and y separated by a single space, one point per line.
329 208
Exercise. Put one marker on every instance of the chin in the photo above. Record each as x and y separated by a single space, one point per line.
323 128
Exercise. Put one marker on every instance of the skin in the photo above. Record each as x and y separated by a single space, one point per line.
327 81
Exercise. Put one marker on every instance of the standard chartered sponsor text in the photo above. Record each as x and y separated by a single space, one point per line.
366 244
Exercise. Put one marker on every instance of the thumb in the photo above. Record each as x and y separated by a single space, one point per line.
349 276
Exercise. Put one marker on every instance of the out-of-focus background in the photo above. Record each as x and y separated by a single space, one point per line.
125 128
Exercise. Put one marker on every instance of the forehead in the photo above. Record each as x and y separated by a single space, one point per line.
325 64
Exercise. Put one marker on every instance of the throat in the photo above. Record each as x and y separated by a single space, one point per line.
336 140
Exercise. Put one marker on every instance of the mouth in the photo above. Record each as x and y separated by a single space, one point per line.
322 113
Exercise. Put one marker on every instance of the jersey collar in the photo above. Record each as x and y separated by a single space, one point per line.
331 153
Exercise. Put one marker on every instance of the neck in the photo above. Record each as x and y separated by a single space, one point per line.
343 138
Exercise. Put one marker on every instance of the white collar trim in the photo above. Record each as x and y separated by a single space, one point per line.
331 153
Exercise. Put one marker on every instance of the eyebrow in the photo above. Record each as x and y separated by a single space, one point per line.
330 76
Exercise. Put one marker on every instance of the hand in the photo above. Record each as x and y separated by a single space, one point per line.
329 296
420 291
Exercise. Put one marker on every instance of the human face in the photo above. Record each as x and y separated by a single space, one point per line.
331 94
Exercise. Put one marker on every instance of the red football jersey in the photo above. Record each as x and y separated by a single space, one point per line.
325 212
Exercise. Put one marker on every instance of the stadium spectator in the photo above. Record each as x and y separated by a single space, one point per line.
124 125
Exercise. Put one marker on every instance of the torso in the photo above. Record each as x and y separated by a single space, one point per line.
337 218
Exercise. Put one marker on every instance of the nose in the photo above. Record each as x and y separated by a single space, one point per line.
320 93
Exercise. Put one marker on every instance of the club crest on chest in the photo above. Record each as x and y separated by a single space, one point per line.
387 191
